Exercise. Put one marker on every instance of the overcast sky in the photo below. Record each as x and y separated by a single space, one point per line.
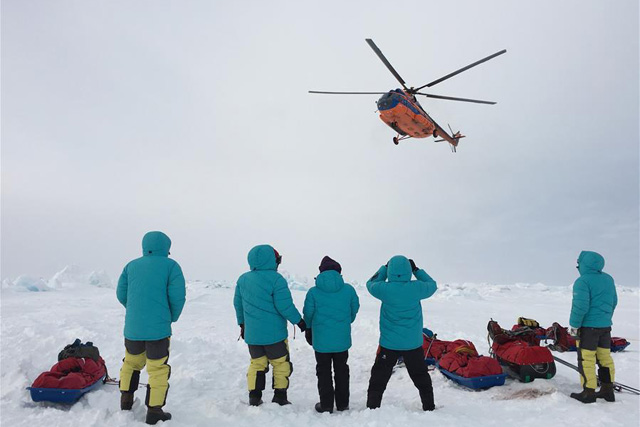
193 117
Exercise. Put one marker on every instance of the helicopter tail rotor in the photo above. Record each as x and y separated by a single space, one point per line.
455 136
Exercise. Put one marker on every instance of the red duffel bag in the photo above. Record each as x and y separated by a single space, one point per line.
72 373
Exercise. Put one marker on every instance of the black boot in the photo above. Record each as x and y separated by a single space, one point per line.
155 414
606 392
320 409
606 386
280 397
126 396
588 395
255 397
126 400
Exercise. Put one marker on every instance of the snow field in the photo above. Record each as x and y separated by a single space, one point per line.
208 384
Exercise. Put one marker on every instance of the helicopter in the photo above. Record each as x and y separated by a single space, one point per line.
402 112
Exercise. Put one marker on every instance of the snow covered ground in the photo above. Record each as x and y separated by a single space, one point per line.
209 363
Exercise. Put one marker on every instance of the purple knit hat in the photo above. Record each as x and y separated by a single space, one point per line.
329 264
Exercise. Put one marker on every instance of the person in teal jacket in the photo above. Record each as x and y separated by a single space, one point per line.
152 290
263 305
594 301
400 327
329 309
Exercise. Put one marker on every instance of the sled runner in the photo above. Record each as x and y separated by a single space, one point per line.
519 352
79 370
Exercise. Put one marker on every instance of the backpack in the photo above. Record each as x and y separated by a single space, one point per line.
77 349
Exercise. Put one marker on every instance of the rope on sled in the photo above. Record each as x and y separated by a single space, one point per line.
114 381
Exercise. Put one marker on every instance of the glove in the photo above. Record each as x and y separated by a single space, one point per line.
308 337
242 330
574 332
302 325
413 266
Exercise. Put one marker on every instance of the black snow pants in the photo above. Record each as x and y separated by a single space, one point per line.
325 382
381 372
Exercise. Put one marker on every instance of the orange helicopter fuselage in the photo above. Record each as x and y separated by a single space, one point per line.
402 112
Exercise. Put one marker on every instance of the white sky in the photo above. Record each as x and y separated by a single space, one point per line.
193 117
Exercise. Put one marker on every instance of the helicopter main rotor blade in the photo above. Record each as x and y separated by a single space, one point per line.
452 98
455 73
385 62
347 93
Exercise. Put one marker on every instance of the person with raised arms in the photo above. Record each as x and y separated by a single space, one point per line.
400 327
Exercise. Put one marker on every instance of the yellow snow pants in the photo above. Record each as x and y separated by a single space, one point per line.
153 354
261 356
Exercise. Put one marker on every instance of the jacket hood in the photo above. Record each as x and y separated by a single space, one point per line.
590 262
262 257
398 269
329 281
156 243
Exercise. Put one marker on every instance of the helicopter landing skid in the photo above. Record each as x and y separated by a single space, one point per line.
397 139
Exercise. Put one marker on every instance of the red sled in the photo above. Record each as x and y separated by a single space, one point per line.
520 353
68 380
460 362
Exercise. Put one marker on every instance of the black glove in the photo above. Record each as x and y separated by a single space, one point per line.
242 330
302 325
308 337
414 268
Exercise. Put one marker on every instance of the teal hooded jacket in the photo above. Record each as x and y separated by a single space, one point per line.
263 301
329 309
152 290
401 311
594 294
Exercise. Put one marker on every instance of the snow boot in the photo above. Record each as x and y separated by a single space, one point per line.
155 414
346 408
588 395
606 386
320 409
606 392
280 397
126 400
255 398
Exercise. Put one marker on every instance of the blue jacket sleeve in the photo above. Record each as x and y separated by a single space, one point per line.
123 286
176 291
355 304
580 303
283 301
237 304
426 285
309 308
376 285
